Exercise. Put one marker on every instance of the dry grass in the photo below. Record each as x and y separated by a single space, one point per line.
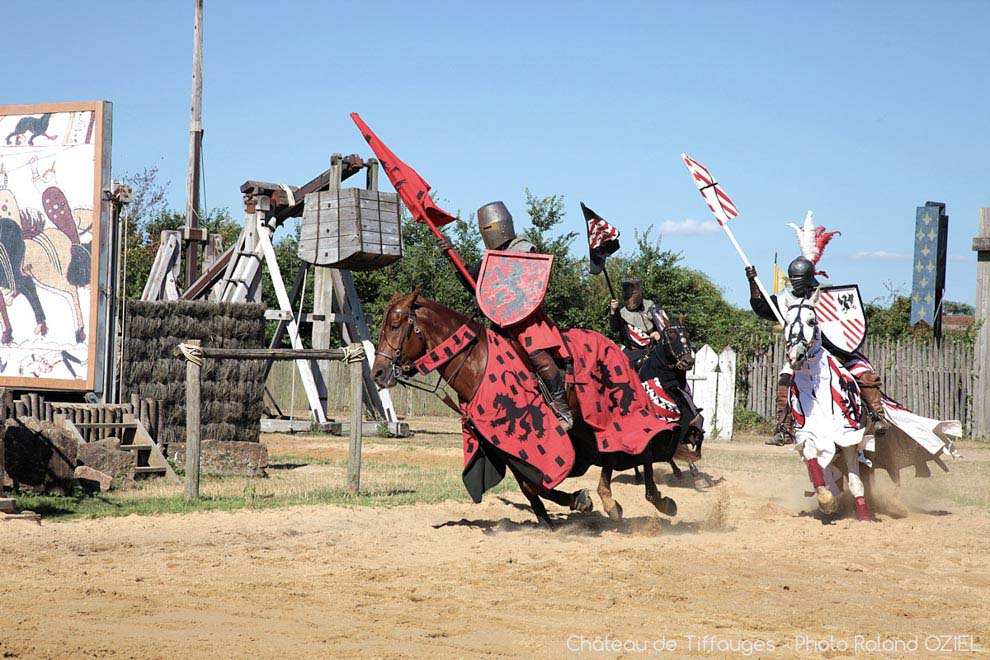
304 469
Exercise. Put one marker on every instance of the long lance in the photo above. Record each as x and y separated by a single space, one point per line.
710 193
759 283
415 194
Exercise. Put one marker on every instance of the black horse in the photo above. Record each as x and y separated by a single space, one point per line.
13 277
667 364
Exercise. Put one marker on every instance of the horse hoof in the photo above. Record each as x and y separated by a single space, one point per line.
42 329
668 506
826 501
80 335
8 336
616 513
583 502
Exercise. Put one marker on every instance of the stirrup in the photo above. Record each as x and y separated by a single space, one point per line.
564 416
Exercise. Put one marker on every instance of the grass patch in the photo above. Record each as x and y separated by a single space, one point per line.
746 420
309 482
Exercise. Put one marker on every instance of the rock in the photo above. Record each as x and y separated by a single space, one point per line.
225 457
39 456
106 457
93 479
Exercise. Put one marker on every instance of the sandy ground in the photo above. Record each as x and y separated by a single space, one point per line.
743 563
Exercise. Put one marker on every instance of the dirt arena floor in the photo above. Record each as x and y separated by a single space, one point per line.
744 568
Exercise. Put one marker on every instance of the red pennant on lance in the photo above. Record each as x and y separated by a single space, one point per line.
413 190
720 204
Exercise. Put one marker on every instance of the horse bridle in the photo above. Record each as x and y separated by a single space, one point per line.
797 322
395 358
673 338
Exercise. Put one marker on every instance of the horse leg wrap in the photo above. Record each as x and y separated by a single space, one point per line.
816 474
862 512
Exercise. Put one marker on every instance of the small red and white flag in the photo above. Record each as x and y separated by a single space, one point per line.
603 239
720 204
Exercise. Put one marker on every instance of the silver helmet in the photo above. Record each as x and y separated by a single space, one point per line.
495 223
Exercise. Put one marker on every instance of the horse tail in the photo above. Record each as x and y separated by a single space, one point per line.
80 264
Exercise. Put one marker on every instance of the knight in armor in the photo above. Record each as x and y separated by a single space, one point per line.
638 322
538 336
632 321
801 273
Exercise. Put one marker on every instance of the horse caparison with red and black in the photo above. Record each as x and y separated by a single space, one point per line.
413 325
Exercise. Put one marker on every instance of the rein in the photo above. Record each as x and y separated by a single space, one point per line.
668 336
463 338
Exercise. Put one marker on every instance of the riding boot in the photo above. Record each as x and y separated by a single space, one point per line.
784 432
553 379
869 385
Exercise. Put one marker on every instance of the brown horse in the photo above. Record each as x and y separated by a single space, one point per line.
412 326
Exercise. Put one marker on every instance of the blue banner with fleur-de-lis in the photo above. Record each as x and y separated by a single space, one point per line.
928 282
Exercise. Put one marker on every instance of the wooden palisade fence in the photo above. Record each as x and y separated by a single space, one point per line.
934 381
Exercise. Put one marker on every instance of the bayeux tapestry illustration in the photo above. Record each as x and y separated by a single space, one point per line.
50 196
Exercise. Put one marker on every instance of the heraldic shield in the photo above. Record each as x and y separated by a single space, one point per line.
841 316
511 285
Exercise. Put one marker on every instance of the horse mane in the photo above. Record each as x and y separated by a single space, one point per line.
32 224
441 313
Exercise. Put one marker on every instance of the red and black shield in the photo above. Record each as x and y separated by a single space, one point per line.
511 285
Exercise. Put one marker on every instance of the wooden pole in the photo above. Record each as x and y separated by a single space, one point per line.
192 425
981 362
195 147
357 415
5 412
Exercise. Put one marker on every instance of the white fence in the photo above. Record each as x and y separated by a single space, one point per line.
713 383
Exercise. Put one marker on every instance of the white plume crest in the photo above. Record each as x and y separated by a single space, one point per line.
811 239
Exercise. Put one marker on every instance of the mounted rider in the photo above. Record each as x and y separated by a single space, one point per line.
633 322
639 323
537 335
801 273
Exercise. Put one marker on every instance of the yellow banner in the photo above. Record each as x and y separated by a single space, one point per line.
780 280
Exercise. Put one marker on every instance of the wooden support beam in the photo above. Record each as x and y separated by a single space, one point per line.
357 411
351 165
274 353
306 374
981 362
195 147
192 425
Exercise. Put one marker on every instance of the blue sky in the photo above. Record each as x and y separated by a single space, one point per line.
860 112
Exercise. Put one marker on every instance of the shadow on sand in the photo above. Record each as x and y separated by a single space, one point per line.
594 523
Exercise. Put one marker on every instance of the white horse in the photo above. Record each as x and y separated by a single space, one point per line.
829 419
828 410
